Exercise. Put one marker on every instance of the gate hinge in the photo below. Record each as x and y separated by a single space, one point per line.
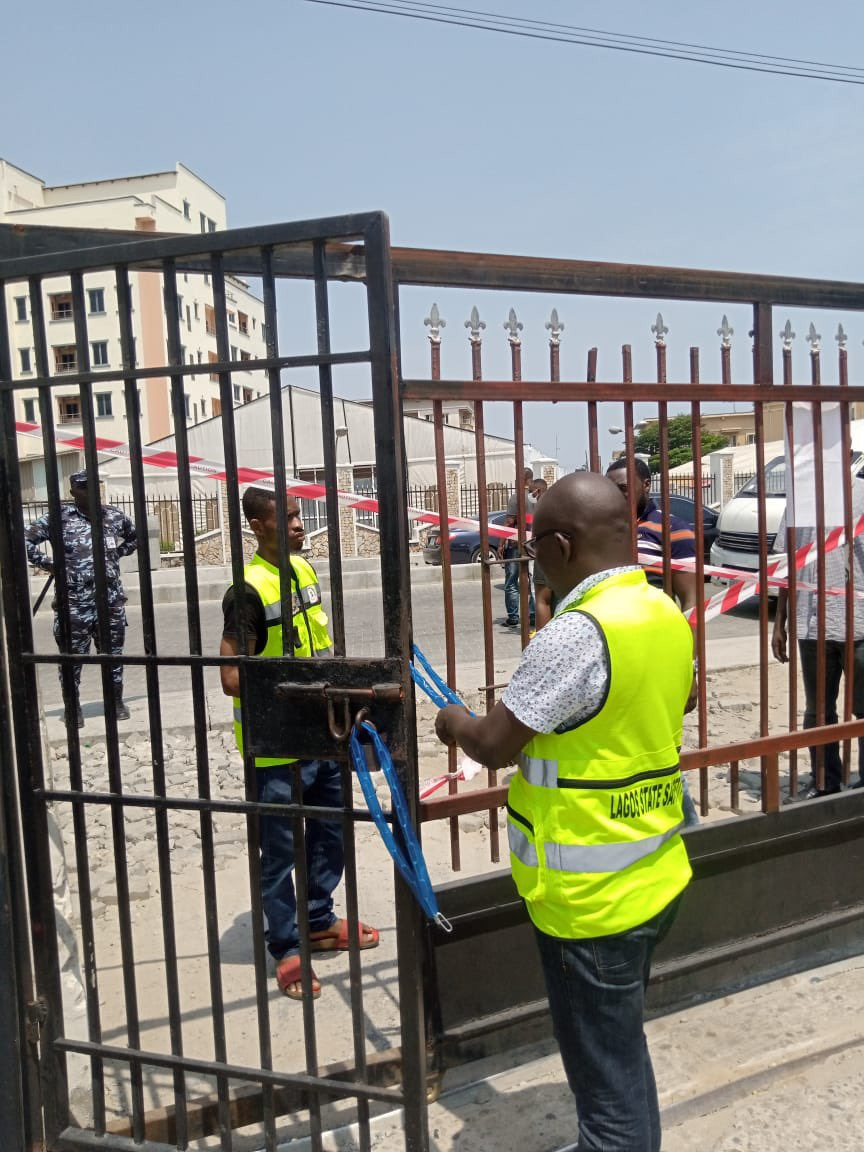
37 1014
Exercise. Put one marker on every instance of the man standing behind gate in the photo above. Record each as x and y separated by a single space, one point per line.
76 534
594 810
261 607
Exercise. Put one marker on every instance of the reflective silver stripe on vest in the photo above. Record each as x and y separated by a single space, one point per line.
521 847
540 773
273 613
587 857
238 716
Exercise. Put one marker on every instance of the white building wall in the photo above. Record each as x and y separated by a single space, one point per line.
176 201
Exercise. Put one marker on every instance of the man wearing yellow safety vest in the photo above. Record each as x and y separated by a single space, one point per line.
261 609
594 810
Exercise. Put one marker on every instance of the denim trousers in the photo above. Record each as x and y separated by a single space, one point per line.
322 786
835 662
596 994
511 589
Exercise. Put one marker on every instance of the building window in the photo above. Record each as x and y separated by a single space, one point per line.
187 210
233 351
103 404
751 437
61 305
243 323
21 308
211 225
26 365
97 301
65 358
254 322
247 395
188 405
237 393
245 356
69 409
203 405
30 410
188 318
180 308
209 320
182 353
195 306
232 318
216 405
263 331
99 349
212 359
203 221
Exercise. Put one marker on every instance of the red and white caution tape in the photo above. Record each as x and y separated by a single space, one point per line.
302 489
743 588
468 771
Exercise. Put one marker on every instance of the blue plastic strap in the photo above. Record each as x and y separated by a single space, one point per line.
413 867
447 695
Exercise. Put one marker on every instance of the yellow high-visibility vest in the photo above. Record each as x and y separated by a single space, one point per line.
310 638
594 813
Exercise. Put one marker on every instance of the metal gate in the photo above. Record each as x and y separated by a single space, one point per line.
92 1078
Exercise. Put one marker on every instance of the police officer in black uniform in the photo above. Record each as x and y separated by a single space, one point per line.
76 532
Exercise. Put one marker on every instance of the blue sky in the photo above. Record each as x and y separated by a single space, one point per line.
471 140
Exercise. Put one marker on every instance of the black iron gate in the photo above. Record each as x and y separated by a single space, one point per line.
88 794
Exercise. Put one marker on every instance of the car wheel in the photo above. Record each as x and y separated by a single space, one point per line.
477 555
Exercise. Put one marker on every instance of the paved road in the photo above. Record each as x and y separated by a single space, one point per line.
364 623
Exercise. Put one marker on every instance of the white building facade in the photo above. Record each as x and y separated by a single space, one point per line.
175 201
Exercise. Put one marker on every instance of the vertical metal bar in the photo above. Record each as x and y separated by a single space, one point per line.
629 449
819 486
519 453
154 707
792 590
734 786
447 594
28 745
763 373
70 697
328 434
851 545
328 428
486 574
395 586
663 432
593 436
199 714
16 1085
112 744
696 424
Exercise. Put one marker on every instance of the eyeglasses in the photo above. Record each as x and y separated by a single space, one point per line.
532 541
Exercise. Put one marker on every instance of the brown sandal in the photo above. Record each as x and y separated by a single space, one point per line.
335 938
289 977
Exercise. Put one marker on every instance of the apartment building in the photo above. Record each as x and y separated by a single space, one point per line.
173 201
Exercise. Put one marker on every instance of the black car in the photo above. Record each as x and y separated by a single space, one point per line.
685 509
464 544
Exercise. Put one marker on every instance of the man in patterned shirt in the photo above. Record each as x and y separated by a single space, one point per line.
594 811
650 527
76 533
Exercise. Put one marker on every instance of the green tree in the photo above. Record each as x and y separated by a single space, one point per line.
680 442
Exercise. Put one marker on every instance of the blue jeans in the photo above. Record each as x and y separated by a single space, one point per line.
322 786
597 996
511 589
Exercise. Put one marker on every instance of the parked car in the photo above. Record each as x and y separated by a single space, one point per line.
738 542
464 544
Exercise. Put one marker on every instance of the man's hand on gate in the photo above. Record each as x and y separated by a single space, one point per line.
449 722
778 643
